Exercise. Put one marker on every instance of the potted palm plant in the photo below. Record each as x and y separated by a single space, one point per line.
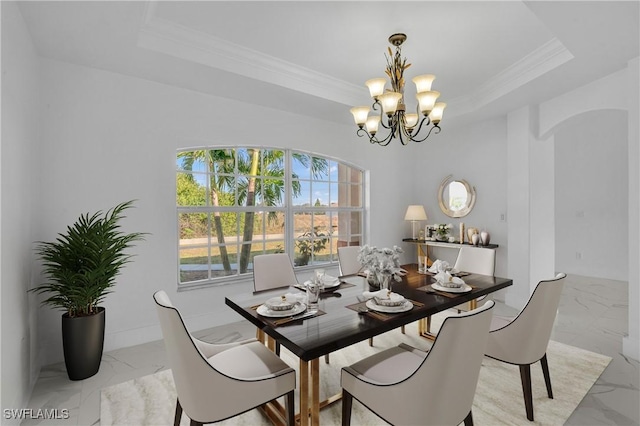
81 266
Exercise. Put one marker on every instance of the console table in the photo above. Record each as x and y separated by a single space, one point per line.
431 243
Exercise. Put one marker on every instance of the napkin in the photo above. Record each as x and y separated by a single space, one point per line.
380 294
446 280
439 265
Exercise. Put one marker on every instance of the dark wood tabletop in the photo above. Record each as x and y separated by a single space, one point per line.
340 326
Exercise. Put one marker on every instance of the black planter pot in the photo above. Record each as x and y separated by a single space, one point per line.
82 341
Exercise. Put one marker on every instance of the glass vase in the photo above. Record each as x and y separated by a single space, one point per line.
385 281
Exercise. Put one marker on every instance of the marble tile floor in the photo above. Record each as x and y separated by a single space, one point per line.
592 316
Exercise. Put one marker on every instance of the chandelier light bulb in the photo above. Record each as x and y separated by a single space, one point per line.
436 113
410 121
360 115
376 86
372 124
426 101
423 82
389 101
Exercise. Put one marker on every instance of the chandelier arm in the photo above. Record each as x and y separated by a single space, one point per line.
435 126
416 131
381 142
372 138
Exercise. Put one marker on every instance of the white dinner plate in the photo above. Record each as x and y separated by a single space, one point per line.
407 306
298 308
463 289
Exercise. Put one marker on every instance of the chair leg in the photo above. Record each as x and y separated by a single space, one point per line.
525 376
278 348
326 359
289 406
402 329
468 421
347 400
547 378
178 415
370 341
195 423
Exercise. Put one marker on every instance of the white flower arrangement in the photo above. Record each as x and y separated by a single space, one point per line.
442 230
384 261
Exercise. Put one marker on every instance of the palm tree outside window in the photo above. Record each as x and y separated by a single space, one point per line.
234 203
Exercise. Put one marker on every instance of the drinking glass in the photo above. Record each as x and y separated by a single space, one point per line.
318 278
422 264
313 294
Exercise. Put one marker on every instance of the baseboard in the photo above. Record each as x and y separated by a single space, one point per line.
137 336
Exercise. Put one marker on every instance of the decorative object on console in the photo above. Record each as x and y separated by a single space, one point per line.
456 197
401 125
475 239
381 265
442 231
485 237
470 231
415 213
461 233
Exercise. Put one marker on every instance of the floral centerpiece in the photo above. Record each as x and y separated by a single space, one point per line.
381 265
442 231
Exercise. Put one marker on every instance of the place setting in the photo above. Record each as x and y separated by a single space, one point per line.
328 283
379 304
288 308
447 282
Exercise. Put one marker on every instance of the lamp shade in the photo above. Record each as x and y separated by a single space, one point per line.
415 212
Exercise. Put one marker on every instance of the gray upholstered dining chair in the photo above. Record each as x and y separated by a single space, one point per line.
404 385
348 260
477 261
523 340
273 271
348 264
217 382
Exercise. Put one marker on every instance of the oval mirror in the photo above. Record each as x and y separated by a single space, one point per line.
456 197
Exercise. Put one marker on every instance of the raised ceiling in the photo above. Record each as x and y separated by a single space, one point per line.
313 57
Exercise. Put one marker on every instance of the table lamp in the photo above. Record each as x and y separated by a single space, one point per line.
415 213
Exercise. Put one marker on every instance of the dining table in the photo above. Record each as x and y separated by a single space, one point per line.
344 319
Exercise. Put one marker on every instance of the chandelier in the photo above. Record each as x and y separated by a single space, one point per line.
390 104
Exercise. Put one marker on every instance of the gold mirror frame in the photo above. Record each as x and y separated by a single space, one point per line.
471 197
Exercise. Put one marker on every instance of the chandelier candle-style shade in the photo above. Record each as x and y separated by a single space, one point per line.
415 213
390 104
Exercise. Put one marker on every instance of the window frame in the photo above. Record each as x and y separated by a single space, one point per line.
287 208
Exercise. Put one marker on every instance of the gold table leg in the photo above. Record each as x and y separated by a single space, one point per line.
304 393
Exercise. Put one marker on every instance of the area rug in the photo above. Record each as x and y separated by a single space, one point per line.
150 400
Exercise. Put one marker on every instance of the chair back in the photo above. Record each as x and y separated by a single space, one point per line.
442 388
348 260
192 373
525 339
476 260
273 271
451 369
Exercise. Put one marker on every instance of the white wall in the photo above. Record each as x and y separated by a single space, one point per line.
591 195
631 343
476 153
617 91
109 138
20 118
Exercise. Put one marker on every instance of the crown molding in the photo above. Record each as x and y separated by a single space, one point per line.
167 37
164 36
539 62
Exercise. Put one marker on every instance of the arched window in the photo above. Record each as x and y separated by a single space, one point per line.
236 202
